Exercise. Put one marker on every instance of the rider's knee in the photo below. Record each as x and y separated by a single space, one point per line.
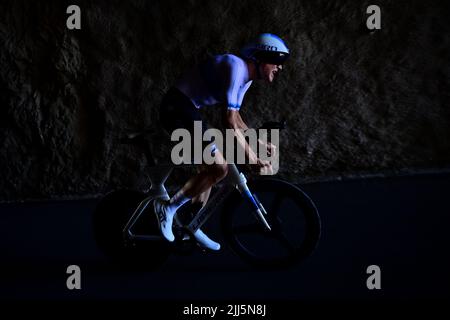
220 171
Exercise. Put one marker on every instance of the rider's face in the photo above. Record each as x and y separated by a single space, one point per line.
268 71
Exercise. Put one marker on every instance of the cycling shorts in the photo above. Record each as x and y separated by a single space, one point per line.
178 112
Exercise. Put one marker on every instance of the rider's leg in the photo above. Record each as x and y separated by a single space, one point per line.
185 194
216 173
200 183
202 239
205 179
199 186
202 197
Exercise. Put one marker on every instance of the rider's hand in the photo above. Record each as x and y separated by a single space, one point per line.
262 167
265 167
271 149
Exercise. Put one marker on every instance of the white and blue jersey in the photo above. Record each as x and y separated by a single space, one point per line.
220 79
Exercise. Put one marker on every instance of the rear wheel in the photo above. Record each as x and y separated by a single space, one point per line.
293 218
110 218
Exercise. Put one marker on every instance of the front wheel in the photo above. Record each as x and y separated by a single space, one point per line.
291 214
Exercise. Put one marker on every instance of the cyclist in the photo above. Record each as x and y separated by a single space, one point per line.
221 79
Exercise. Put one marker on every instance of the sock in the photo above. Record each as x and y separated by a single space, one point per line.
177 201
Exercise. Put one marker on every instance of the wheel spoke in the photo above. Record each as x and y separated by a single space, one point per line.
288 211
281 236
276 204
247 228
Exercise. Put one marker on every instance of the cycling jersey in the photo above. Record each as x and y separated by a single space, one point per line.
220 79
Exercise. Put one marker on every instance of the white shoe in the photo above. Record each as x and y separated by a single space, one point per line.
205 242
165 219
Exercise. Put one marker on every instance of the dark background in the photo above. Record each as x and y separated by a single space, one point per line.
399 224
356 102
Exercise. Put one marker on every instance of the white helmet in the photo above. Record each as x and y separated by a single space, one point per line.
266 48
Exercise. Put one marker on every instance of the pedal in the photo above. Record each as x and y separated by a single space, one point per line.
186 237
181 233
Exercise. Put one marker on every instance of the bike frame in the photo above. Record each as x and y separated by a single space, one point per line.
158 177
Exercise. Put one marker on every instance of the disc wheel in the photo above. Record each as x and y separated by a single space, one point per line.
292 215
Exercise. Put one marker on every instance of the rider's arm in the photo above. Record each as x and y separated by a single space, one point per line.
234 93
234 121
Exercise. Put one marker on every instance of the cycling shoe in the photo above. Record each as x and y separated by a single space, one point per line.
165 219
205 242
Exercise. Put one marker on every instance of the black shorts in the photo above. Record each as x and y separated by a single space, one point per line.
178 112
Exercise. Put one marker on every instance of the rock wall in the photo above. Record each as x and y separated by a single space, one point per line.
355 101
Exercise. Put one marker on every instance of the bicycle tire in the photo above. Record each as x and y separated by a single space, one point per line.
304 211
